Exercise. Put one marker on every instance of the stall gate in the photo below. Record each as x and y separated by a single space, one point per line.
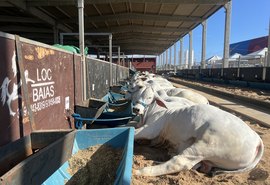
53 85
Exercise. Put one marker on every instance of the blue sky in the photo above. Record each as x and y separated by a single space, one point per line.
250 19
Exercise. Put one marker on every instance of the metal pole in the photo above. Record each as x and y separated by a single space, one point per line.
163 61
118 55
61 39
204 25
166 60
56 34
226 51
190 50
110 58
81 38
181 52
174 58
268 53
117 66
170 58
158 62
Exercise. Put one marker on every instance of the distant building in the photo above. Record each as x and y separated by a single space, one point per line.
140 63
145 64
249 46
214 62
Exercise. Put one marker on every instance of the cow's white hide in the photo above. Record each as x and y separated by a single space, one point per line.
200 134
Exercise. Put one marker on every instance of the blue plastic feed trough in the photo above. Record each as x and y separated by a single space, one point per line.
91 108
112 97
115 137
117 105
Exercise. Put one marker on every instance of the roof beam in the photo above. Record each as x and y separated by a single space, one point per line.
39 14
142 45
138 28
13 28
4 18
37 35
141 41
72 2
146 47
137 16
142 36
142 52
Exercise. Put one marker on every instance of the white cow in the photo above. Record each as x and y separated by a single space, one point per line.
179 93
201 135
149 92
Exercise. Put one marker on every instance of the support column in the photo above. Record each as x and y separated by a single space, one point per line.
166 65
204 26
61 39
55 34
181 53
170 58
226 51
162 61
117 66
268 53
159 62
118 62
110 59
98 55
174 63
82 45
190 50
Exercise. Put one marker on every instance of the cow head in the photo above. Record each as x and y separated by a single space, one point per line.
147 97
133 89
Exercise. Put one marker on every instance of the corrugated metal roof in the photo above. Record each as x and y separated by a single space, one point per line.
138 26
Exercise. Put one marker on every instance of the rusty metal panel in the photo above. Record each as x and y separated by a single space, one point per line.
39 166
50 77
77 71
114 74
205 73
230 73
216 72
267 76
10 129
251 74
98 74
13 153
123 73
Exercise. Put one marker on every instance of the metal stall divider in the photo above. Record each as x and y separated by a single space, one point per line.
24 85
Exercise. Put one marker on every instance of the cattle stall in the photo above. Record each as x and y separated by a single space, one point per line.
51 86
252 77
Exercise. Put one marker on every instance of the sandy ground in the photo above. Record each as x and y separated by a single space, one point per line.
252 93
144 155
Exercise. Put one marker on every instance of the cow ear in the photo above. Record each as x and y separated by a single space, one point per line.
161 103
159 100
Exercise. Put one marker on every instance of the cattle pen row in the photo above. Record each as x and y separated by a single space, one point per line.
242 104
253 77
51 87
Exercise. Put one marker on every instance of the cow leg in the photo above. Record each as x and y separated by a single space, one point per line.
146 132
184 161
